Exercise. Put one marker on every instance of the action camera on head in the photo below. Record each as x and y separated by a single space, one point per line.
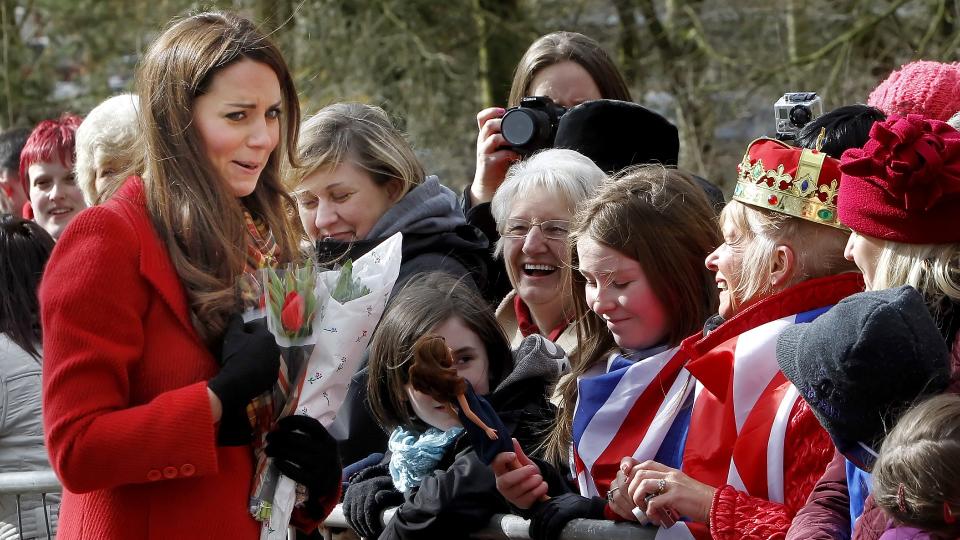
795 110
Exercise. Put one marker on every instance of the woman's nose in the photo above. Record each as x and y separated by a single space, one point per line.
711 261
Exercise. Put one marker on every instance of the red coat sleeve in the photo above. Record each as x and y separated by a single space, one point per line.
826 515
734 514
93 302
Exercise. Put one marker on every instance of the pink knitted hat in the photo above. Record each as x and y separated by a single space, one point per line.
931 89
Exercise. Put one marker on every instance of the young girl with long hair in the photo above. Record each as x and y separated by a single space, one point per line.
443 489
148 370
637 251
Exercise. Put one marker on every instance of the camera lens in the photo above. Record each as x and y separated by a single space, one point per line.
518 126
800 115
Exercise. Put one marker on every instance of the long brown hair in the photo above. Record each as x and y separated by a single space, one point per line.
199 219
557 47
662 219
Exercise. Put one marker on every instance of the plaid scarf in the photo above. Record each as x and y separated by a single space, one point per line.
263 251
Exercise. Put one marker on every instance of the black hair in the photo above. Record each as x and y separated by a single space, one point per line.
24 250
11 144
846 127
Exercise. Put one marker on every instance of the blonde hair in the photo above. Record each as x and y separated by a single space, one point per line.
916 479
199 219
662 219
363 135
818 249
107 138
932 269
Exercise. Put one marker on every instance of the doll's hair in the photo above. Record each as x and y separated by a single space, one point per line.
818 250
558 47
916 479
662 219
425 302
199 219
363 135
431 371
25 248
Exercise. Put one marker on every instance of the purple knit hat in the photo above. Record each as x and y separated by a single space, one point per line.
930 89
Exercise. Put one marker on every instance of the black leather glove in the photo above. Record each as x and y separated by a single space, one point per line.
250 364
365 501
550 517
305 452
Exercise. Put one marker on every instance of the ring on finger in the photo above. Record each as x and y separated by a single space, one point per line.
661 486
611 491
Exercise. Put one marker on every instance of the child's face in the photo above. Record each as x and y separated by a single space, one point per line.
470 359
618 291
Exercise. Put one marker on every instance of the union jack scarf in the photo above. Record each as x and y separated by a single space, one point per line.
736 431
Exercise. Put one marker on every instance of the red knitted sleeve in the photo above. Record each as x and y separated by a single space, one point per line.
734 514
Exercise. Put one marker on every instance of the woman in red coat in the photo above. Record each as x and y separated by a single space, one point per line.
147 369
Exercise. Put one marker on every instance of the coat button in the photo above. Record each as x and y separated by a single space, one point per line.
169 472
187 469
154 475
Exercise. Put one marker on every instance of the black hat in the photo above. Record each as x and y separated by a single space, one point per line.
866 360
618 134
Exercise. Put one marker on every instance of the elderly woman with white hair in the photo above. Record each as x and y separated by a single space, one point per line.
532 209
106 147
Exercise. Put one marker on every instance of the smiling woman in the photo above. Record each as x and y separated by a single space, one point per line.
46 166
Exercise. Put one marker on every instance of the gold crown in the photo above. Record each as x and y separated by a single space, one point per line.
804 182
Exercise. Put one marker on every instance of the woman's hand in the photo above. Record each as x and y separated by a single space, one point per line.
492 160
520 486
666 494
618 496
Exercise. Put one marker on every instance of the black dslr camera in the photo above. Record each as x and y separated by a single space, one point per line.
532 125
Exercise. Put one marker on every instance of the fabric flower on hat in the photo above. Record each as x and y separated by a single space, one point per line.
909 169
913 159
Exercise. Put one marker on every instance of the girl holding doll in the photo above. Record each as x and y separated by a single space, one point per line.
432 472
149 369
640 287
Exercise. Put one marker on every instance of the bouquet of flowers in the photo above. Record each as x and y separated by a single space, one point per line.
336 321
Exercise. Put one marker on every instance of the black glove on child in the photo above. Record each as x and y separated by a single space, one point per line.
250 363
551 516
370 493
305 452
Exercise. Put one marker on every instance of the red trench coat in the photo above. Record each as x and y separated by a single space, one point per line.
126 413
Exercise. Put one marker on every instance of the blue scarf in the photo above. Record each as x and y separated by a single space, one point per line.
415 455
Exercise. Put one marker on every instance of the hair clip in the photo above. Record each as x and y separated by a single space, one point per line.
948 516
901 498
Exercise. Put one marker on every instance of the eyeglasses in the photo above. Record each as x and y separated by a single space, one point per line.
554 229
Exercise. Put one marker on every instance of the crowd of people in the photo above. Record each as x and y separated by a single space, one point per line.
784 364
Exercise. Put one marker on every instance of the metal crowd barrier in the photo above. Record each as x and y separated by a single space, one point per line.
510 527
40 483
501 526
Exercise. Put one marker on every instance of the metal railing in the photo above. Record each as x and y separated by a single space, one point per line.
511 527
501 526
41 483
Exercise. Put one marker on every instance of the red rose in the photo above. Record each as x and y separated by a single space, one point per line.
291 316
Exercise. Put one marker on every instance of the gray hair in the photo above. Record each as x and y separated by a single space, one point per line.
566 174
105 140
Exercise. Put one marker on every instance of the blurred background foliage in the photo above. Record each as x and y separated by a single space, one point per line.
713 67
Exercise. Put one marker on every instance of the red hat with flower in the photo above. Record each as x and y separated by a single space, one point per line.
904 184
795 181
